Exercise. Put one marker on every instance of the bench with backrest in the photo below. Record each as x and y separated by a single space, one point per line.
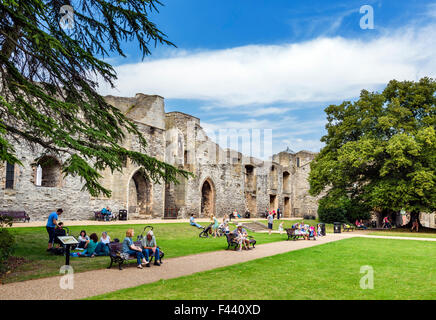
16 215
98 216
116 248
347 227
231 241
291 234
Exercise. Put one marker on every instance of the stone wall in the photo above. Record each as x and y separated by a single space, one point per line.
237 182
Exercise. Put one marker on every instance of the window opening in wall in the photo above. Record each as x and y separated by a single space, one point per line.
10 175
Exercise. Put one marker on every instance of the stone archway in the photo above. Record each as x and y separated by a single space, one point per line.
207 199
140 195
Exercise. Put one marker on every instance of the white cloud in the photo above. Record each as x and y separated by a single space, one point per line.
285 132
318 70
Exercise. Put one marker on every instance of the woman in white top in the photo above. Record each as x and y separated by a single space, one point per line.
102 248
83 240
105 238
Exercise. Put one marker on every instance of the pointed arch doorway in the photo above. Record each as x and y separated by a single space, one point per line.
208 196
140 195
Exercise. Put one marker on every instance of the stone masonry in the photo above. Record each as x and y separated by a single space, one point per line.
225 180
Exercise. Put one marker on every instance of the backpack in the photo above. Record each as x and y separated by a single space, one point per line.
58 251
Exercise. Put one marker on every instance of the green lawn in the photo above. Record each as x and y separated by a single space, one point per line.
176 239
402 270
428 233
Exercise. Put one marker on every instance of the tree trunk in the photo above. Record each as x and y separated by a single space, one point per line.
414 214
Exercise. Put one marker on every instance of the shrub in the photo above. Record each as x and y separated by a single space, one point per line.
7 245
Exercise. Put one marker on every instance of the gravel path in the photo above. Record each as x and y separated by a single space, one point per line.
97 282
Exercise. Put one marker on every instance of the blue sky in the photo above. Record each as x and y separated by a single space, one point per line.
257 64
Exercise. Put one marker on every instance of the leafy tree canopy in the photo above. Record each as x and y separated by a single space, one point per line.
381 149
48 87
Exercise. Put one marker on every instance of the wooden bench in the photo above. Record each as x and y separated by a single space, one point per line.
98 216
347 228
231 241
291 234
16 215
115 249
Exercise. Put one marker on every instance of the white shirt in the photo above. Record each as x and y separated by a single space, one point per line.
107 240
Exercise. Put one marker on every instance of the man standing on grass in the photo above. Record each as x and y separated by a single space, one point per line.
270 222
52 222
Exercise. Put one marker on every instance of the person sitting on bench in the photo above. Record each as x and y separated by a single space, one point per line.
149 247
107 213
242 237
129 248
302 230
360 225
236 214
193 223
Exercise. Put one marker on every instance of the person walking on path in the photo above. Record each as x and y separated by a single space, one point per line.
270 222
52 222
278 213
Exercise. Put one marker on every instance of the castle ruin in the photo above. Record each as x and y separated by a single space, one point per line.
225 180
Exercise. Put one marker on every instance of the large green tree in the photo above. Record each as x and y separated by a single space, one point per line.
380 150
48 84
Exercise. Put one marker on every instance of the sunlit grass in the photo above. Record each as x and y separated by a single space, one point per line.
402 270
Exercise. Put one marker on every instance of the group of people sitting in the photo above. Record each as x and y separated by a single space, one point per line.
107 213
147 248
241 237
235 214
305 230
360 225
90 246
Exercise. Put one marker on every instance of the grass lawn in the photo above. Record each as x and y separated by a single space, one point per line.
400 232
402 270
176 239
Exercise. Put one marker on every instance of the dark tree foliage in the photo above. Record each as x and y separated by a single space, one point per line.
380 151
48 84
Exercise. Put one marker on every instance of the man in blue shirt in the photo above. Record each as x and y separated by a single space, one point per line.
52 222
193 223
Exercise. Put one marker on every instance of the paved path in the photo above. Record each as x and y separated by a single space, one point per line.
101 281
91 283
